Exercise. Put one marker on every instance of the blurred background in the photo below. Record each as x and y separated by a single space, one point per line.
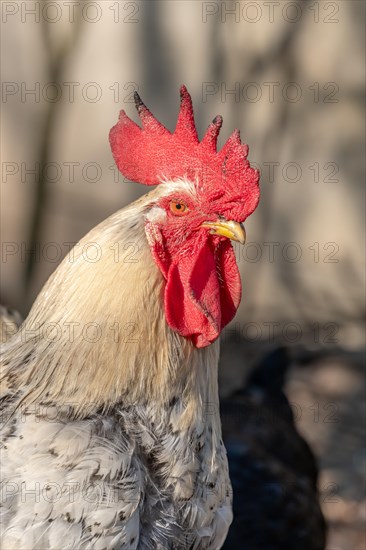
290 76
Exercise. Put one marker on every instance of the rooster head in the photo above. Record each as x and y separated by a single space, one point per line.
204 196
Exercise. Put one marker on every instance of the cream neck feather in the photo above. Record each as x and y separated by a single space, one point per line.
97 336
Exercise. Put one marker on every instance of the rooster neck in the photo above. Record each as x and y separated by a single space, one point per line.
97 335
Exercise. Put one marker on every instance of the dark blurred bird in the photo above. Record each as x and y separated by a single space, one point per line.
272 469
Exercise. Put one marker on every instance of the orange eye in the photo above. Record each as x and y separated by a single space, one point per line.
178 208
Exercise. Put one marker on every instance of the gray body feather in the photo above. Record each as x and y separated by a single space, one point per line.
122 481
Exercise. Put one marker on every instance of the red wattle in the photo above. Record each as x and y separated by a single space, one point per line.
203 291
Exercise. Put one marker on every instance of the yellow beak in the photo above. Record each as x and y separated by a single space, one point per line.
232 230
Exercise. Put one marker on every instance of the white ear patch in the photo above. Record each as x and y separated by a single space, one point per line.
156 214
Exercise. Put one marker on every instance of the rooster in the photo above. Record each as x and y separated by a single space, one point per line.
111 434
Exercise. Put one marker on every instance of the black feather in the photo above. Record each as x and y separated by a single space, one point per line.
272 469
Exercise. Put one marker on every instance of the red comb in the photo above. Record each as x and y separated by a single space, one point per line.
152 154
